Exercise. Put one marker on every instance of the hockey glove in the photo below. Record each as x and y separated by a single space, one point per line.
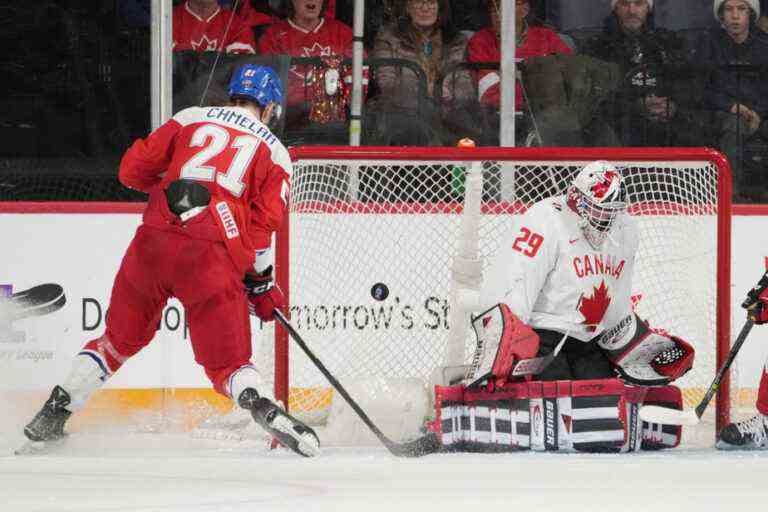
645 356
756 303
263 295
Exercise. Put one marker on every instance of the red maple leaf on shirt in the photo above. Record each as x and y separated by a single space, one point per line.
593 308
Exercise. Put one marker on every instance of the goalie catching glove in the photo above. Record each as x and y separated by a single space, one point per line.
645 356
263 296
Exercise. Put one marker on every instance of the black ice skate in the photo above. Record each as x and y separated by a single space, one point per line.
46 430
751 434
48 424
289 431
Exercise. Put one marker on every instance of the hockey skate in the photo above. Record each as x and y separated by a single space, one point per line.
289 431
751 434
46 429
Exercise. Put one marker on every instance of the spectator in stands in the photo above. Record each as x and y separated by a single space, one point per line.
423 34
738 97
317 94
762 21
533 39
257 14
202 26
655 105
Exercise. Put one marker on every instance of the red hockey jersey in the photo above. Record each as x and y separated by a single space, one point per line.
234 155
191 32
485 46
330 37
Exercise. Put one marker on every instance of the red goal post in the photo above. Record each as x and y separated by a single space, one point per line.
363 217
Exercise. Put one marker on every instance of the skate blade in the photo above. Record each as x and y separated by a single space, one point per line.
307 444
38 447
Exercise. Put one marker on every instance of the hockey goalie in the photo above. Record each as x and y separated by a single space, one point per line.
559 345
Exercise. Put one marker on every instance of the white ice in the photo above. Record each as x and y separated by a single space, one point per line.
174 472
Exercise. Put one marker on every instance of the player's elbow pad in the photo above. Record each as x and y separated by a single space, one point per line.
645 356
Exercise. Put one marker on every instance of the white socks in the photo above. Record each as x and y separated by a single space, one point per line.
85 377
248 377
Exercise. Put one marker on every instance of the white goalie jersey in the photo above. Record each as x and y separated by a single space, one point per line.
552 278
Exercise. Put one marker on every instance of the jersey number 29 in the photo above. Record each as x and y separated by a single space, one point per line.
214 139
528 243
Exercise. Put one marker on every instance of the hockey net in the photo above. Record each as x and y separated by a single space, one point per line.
373 235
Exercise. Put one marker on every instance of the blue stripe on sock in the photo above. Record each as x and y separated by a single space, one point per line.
99 362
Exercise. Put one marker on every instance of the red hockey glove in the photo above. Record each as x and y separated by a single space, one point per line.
263 295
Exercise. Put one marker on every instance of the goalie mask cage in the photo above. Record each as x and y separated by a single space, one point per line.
378 241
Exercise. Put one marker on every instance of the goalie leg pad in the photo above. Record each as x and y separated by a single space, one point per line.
596 416
657 436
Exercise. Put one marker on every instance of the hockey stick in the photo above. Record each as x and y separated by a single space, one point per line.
657 414
422 446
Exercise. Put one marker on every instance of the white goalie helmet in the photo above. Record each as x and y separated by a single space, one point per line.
597 195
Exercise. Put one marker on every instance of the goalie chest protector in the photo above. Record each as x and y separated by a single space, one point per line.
569 416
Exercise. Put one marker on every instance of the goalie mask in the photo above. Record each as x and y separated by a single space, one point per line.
597 195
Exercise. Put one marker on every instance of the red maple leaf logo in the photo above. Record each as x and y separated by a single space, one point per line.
600 188
593 308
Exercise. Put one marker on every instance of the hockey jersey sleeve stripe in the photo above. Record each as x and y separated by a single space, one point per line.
487 82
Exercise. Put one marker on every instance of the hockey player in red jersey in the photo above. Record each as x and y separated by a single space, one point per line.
217 180
306 33
751 434
204 26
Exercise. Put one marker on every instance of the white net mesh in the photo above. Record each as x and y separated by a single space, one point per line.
372 244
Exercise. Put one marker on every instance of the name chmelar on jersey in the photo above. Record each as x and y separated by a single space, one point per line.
242 121
598 264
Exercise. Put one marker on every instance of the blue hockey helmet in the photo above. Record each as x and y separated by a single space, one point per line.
256 83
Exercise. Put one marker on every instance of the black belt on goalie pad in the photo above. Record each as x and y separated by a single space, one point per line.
597 416
184 195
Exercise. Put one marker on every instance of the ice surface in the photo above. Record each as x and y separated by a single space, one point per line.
133 471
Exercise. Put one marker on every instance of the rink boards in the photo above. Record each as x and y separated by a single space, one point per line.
82 251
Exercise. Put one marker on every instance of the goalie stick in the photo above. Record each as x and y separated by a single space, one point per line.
418 447
658 414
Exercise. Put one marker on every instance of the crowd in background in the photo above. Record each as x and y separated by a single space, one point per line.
650 73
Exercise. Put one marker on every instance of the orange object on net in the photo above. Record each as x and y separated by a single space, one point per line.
466 143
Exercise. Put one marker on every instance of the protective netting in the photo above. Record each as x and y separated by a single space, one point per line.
372 244
63 179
